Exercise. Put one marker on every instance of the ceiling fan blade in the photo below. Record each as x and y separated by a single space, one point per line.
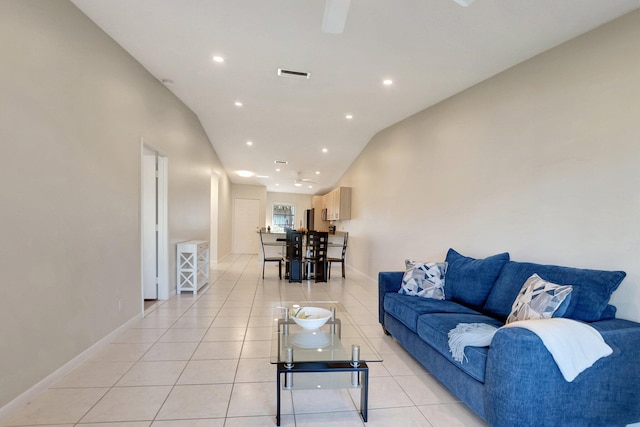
301 180
335 16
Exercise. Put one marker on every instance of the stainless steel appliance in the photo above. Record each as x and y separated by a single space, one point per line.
310 215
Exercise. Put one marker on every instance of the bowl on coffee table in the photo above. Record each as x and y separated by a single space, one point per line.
310 317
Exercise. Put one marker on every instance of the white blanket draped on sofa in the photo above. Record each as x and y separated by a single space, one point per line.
575 346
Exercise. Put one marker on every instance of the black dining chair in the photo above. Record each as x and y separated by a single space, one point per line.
341 259
267 259
316 259
294 258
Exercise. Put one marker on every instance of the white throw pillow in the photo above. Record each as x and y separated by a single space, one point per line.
538 299
424 279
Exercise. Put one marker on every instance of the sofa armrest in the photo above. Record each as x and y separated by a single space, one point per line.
523 382
388 281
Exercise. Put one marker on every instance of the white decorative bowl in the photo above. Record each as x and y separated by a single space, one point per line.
312 317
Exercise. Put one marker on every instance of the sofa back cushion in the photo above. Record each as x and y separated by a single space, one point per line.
469 280
589 298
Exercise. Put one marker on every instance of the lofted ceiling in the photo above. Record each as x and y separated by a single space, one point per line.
430 49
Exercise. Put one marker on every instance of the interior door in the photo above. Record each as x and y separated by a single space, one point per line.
246 220
149 227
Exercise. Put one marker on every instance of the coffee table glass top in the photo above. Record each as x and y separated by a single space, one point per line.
332 342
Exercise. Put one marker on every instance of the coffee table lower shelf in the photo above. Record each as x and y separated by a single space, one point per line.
361 371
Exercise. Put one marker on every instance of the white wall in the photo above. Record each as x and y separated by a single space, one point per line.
256 192
541 160
73 109
301 202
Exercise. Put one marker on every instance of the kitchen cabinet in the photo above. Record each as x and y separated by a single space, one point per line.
338 204
320 223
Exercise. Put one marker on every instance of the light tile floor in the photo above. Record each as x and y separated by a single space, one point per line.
203 361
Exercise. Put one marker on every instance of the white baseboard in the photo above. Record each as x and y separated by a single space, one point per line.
363 274
222 259
26 397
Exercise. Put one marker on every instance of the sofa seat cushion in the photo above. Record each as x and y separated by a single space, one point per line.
589 298
407 308
434 330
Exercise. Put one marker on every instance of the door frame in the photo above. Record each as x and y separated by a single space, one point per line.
163 233
214 218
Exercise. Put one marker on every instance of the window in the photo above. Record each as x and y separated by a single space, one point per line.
283 218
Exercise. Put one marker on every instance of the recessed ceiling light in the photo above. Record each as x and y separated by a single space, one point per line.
245 174
277 185
464 3
249 143
349 116
387 82
277 169
262 176
218 59
317 172
311 186
238 104
297 184
325 150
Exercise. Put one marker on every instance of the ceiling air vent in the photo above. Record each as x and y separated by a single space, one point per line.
280 162
293 74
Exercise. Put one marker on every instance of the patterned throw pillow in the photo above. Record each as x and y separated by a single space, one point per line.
424 279
538 299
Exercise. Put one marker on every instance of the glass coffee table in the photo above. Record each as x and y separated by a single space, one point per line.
334 355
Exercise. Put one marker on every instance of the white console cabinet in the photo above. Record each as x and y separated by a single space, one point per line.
192 265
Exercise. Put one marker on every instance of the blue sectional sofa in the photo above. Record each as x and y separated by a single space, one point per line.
515 381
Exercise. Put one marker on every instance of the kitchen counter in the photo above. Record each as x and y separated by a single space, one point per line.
275 244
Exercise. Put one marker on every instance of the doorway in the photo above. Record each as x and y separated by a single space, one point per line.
154 246
246 221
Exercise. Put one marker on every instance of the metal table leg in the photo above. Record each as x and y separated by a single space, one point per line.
307 367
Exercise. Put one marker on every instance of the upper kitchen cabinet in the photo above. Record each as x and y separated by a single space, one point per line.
338 204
